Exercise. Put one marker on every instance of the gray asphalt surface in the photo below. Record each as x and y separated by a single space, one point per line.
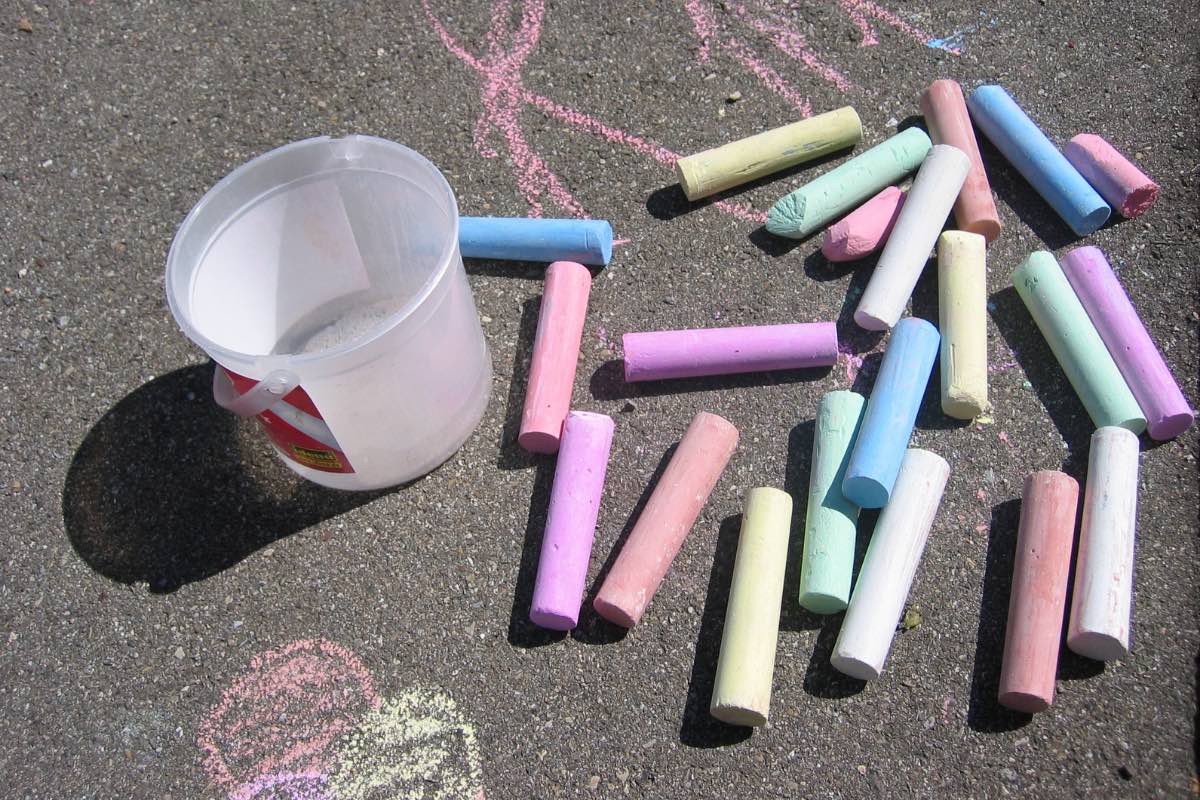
153 547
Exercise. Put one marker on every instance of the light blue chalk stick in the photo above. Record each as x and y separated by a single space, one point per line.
891 413
584 241
1043 165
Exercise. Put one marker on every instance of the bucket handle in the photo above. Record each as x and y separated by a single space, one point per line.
258 398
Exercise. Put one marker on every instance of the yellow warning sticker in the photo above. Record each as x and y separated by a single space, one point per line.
317 459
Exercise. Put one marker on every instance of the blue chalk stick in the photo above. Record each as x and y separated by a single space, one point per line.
891 413
1043 165
584 241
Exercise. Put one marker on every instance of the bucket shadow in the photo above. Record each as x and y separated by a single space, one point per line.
699 728
521 631
168 488
512 456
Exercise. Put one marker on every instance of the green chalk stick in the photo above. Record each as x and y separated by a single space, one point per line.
840 191
1076 343
831 521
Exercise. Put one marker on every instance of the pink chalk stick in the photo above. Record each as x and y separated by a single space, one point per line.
865 229
1039 591
555 356
1140 362
670 513
571 521
1125 187
723 351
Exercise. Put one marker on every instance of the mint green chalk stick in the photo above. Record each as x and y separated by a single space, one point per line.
840 191
831 521
1076 343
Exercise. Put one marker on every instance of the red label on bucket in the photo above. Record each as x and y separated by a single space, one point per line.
298 430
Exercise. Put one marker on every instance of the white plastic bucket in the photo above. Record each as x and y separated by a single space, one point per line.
325 279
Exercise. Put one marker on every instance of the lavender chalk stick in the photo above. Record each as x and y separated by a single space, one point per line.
571 521
722 351
1140 362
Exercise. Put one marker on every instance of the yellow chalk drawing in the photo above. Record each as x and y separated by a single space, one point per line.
416 746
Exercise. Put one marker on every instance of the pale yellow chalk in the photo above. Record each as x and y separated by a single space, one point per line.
962 313
748 159
742 690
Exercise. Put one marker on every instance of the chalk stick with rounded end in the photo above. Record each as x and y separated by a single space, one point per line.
912 239
754 157
890 565
945 112
891 413
831 520
1141 363
1037 159
669 514
1126 188
555 356
660 355
1075 343
1103 593
835 193
865 229
584 241
962 319
742 687
571 520
1039 591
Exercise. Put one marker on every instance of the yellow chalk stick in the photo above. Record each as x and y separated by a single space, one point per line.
962 313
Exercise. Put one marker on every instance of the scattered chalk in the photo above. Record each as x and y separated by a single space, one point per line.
1126 188
584 241
865 229
661 355
962 319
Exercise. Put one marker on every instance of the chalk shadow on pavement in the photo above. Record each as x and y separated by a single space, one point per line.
608 382
521 631
168 488
930 416
511 455
793 616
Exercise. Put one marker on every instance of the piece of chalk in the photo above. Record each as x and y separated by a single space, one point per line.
830 521
584 241
962 320
555 356
1103 592
571 520
669 514
1126 188
1021 141
1039 591
659 355
889 566
912 239
945 112
748 159
742 687
1141 363
891 413
1075 343
819 202
865 229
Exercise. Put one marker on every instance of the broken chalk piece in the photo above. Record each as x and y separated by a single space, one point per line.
584 241
962 318
555 356
745 668
666 520
571 520
840 190
754 157
865 229
660 355
1126 188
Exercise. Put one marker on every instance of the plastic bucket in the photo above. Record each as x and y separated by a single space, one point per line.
325 279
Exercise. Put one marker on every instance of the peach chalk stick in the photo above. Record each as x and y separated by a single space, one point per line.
669 514
555 356
1103 592
945 112
865 229
962 317
1039 591
1123 186
742 688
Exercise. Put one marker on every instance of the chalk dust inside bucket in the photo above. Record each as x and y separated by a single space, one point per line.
335 263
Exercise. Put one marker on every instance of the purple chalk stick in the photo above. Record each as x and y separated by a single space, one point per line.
571 521
1167 411
723 351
